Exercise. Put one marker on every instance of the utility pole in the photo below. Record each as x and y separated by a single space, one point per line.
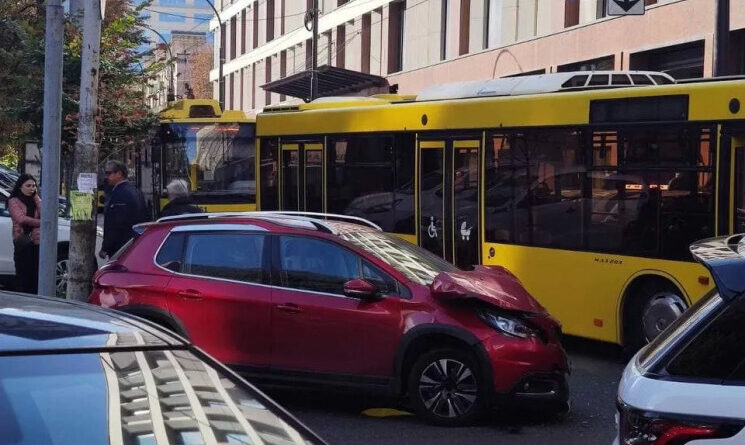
721 39
314 63
83 229
52 134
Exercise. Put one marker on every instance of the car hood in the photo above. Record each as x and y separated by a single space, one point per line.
491 284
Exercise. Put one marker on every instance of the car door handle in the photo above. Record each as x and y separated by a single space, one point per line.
290 308
190 294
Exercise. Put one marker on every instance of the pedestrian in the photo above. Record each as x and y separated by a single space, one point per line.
24 206
124 208
179 201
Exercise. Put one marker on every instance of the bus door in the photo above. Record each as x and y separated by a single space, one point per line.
738 158
302 177
448 199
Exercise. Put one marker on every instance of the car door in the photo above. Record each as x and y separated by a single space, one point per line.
7 267
221 297
315 327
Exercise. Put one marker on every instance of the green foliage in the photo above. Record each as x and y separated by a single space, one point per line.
124 121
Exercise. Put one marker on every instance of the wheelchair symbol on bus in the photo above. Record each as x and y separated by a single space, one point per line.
431 229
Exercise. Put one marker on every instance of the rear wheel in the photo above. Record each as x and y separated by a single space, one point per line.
653 306
60 273
446 387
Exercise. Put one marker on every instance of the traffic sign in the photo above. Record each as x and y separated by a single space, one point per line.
625 7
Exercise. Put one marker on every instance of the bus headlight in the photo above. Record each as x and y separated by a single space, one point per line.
509 325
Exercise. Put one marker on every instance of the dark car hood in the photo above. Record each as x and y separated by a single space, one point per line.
492 284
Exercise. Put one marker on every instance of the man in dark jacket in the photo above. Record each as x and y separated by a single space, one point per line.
178 199
125 207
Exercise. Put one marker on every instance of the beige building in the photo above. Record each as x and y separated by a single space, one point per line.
415 43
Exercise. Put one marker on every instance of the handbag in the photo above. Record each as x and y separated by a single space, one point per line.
22 242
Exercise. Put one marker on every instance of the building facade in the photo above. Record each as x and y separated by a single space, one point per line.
415 43
183 25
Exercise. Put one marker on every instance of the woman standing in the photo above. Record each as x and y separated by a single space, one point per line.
24 205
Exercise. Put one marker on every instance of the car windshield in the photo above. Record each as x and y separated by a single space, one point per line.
419 265
132 397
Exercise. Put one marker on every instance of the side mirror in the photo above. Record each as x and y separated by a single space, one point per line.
360 288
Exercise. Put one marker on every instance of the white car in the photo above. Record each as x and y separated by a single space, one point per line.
687 386
7 266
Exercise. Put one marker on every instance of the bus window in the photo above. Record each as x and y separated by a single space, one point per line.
269 168
217 160
372 177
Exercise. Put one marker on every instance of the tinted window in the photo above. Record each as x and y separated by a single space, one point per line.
268 165
129 398
385 283
234 256
171 252
534 188
316 265
372 177
717 351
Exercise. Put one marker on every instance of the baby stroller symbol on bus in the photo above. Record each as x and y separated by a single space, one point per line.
465 231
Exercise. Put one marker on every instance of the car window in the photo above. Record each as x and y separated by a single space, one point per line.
142 397
4 207
316 265
234 256
385 283
718 351
171 252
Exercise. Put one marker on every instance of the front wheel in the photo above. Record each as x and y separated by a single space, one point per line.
60 274
446 387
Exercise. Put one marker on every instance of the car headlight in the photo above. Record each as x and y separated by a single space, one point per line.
508 325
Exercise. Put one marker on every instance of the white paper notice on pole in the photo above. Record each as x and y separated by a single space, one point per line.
86 182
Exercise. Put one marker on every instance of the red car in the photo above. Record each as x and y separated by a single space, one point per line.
300 299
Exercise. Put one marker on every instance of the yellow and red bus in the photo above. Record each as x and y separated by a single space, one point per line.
213 150
588 186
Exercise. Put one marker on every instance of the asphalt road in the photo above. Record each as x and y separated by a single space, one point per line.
596 370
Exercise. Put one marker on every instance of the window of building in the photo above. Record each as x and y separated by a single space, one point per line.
599 64
443 29
308 54
465 27
340 44
684 61
601 7
233 256
366 42
492 23
395 36
649 2
243 32
282 19
269 20
172 3
372 177
233 39
267 79
167 17
282 70
316 265
255 25
231 93
571 13
253 85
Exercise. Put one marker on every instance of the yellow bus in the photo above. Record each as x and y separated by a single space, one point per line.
588 186
213 150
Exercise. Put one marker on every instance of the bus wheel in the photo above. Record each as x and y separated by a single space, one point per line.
653 306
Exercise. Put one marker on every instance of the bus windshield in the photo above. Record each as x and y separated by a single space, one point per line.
216 159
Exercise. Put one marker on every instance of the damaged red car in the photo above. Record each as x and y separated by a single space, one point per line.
308 299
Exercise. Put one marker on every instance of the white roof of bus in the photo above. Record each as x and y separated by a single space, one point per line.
522 85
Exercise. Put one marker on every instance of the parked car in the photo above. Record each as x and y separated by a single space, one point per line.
7 266
687 385
72 373
299 299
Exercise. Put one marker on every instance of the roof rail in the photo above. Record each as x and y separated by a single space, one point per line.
308 216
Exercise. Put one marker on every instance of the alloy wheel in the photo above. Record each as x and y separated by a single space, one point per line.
61 278
448 388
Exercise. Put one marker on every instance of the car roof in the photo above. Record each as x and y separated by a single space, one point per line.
269 221
37 324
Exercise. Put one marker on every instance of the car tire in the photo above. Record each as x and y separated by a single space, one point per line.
652 307
446 387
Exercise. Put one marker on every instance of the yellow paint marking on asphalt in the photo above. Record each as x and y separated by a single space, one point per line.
385 412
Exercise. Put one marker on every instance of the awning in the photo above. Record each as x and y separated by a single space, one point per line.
332 81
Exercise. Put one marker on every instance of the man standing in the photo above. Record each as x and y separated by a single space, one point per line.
125 207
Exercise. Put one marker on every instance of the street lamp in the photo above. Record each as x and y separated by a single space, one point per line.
220 80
